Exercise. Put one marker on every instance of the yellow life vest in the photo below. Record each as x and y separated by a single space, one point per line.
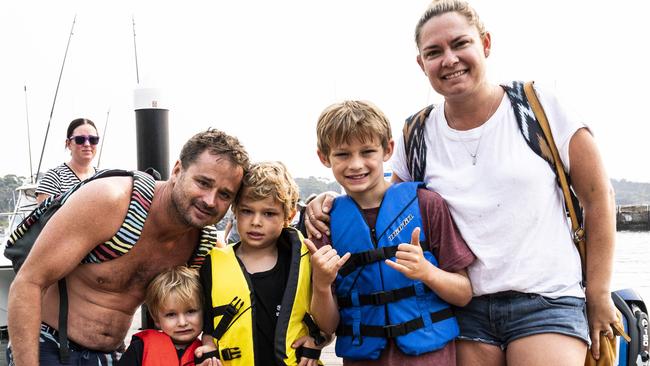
232 297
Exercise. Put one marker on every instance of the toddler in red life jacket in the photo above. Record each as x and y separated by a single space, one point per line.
174 300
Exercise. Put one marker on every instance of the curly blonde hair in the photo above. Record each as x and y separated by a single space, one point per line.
270 179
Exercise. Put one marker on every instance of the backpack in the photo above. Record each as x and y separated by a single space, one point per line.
22 240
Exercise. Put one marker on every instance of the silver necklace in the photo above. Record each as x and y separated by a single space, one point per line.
480 136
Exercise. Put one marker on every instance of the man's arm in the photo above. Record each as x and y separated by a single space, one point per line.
597 198
90 216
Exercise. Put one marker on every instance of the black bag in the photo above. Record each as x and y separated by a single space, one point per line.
24 236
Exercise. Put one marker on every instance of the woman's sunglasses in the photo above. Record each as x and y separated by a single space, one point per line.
81 139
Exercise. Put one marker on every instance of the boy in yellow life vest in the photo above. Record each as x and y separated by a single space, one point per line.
174 299
258 291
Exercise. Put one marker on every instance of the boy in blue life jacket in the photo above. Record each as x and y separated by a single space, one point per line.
394 260
257 291
174 299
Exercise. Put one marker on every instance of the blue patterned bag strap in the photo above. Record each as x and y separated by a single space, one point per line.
572 206
534 135
416 150
528 124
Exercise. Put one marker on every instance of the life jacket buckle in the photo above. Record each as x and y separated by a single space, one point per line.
383 297
395 330
233 308
228 354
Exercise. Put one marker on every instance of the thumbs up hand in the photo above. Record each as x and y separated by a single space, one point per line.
325 263
410 260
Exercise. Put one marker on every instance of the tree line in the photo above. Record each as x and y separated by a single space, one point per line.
627 193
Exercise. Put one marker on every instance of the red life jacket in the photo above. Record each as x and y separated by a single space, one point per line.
160 351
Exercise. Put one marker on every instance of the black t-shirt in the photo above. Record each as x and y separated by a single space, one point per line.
268 290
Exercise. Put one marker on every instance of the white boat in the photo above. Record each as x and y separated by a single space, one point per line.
25 203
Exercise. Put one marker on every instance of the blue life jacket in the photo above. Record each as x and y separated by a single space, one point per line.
375 301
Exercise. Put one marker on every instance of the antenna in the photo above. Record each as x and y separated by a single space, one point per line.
29 139
135 50
54 102
101 149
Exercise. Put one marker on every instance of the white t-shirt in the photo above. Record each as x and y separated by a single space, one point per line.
508 206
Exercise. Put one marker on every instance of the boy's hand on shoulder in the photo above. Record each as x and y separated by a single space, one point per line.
317 214
410 260
325 263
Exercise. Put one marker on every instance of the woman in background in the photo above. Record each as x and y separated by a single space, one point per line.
82 138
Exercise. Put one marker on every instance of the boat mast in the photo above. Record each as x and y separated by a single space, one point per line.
135 50
101 149
29 139
56 92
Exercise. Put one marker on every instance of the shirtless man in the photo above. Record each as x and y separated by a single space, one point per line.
104 296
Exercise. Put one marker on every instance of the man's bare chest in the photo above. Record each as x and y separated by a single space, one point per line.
135 269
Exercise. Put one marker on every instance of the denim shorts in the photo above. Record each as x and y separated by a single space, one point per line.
501 318
49 352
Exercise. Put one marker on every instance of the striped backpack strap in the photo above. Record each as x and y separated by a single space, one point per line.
416 150
207 241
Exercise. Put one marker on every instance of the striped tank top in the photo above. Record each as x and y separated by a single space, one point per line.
131 229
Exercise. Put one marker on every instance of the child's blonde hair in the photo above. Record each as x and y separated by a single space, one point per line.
180 282
270 179
351 119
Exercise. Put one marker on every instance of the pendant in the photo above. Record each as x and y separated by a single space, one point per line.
474 159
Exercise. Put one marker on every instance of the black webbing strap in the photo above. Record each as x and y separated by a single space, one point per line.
228 311
64 346
394 330
314 331
371 256
380 298
307 352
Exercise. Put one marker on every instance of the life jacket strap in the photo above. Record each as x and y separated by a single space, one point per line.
314 331
381 297
394 330
228 311
311 353
371 256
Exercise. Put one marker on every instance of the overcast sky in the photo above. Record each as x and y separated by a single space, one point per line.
264 70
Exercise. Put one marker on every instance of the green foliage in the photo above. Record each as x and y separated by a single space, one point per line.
627 193
313 185
8 185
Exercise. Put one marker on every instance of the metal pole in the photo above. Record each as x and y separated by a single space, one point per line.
29 139
101 149
135 49
56 92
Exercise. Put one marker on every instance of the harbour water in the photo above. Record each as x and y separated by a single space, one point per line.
632 262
